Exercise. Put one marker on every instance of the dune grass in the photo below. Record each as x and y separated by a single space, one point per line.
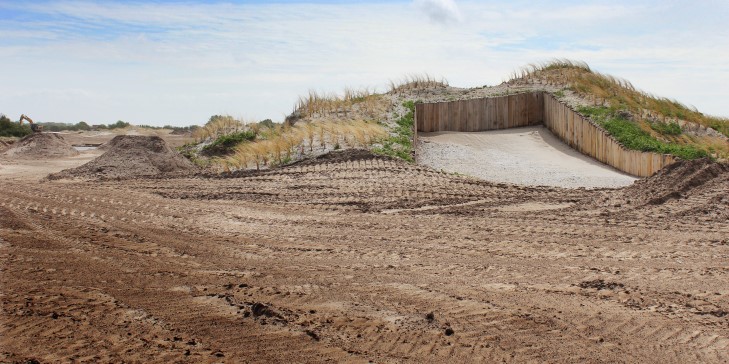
283 143
615 92
352 103
655 122
415 82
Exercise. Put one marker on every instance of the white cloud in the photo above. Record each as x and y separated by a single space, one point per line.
161 63
440 11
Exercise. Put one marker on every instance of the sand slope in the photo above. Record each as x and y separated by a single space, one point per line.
527 156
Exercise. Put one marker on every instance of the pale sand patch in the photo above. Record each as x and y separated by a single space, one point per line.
36 169
526 156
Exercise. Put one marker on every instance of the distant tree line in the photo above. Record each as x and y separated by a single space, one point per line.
179 129
80 126
9 128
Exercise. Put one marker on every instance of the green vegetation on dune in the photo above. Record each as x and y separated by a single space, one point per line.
225 144
632 136
400 142
670 128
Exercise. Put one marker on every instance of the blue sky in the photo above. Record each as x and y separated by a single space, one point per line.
171 62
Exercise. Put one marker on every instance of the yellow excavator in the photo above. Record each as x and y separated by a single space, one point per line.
33 126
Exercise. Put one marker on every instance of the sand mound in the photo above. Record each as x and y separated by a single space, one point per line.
113 142
132 156
680 180
3 146
698 188
347 155
41 145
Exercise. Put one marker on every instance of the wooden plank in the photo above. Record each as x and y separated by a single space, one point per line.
477 109
442 116
504 116
518 116
455 116
464 115
512 118
480 107
422 116
491 114
434 120
539 108
523 110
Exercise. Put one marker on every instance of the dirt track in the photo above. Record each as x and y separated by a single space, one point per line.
344 261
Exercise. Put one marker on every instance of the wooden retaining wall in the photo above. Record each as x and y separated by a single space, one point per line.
589 138
481 114
536 108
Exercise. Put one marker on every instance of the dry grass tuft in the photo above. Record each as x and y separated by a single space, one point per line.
352 103
415 82
284 143
613 92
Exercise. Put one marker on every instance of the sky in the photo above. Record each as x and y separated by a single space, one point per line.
179 62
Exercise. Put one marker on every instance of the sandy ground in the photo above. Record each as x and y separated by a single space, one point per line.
14 169
365 260
529 156
35 170
100 137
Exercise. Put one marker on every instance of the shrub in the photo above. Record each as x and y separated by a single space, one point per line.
119 125
225 144
9 128
671 128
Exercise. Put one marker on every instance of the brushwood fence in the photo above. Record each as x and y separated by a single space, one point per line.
536 108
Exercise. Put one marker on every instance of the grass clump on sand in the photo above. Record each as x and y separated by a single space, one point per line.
416 82
225 144
400 142
632 136
351 104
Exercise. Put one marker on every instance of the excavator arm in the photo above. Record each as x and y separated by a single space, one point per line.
33 126
24 117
